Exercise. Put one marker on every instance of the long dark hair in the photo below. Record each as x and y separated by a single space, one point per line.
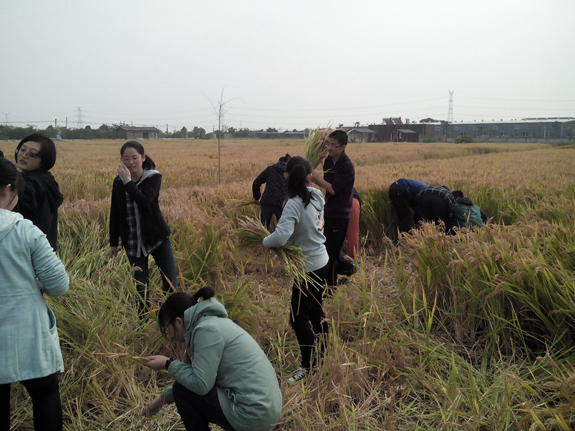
47 153
9 175
177 303
148 163
298 168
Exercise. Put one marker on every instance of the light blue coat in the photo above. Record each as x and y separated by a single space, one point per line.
225 355
29 344
302 226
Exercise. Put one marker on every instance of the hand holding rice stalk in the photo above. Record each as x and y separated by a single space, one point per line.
252 233
316 150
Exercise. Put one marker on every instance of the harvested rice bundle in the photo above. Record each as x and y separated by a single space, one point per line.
251 234
316 150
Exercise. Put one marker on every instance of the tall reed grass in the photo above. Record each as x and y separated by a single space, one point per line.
471 331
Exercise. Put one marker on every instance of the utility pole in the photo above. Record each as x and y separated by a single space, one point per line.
6 117
450 110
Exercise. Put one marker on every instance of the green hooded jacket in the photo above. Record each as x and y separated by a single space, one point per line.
225 355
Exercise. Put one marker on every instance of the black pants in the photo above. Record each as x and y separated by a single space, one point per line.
46 404
164 257
198 411
266 213
400 201
306 308
334 230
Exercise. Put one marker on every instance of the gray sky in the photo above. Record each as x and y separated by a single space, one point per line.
286 64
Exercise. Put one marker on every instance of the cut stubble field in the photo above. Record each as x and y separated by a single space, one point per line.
470 331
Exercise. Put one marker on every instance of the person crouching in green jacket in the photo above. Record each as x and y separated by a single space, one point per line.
231 382
465 213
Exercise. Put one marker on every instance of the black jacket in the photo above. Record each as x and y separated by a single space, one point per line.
39 203
145 194
276 185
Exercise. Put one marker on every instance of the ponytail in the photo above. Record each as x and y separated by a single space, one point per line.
148 163
298 168
177 303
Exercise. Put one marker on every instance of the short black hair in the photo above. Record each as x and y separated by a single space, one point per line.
457 194
340 136
284 159
9 175
47 153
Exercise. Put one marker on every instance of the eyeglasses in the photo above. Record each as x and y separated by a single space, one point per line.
330 145
25 153
132 159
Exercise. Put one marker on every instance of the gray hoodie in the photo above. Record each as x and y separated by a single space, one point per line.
304 227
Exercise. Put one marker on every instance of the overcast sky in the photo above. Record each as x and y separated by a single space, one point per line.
285 64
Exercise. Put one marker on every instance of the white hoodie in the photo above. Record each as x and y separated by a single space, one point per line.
302 226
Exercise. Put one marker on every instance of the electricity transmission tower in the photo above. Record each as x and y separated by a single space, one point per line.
80 122
450 110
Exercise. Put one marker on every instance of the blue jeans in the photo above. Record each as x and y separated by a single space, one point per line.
46 404
198 411
164 257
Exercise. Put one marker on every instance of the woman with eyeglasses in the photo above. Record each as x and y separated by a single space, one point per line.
29 344
135 217
230 382
39 202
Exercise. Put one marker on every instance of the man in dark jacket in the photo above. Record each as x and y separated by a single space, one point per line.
275 193
338 180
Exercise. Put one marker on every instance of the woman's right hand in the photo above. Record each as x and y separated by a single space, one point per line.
153 407
124 173
113 252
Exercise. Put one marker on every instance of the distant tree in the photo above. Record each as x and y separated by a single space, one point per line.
429 120
232 130
271 129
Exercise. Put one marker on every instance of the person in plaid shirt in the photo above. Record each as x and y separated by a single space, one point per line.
135 217
436 204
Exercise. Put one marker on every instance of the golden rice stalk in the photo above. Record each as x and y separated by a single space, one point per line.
316 150
252 233
242 202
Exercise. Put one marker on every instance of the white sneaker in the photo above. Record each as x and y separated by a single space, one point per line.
300 375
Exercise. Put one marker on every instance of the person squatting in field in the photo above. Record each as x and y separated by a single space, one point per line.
29 344
135 217
402 195
231 382
35 155
465 213
436 204
275 193
338 180
302 224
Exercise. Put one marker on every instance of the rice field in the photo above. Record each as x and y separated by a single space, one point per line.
473 331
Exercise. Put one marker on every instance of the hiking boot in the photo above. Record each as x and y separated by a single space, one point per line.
300 375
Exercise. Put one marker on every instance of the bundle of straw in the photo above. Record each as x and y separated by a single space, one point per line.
252 233
316 150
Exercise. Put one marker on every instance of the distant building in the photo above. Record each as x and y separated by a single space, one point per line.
280 135
524 129
129 132
360 134
528 129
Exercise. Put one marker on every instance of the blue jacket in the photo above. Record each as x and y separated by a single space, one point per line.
412 188
29 343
